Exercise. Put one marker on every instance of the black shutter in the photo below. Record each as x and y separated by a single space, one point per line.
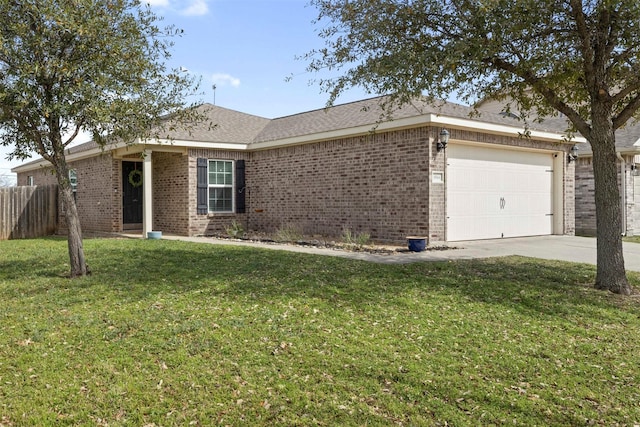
203 186
241 189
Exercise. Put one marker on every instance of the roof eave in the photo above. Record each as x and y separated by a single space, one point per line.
426 119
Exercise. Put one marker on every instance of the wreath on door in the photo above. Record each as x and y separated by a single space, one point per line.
135 178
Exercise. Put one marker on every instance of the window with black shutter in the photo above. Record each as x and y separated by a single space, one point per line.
241 189
203 186
221 186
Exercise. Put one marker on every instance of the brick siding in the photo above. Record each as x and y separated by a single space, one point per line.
379 183
210 223
170 192
375 183
97 199
585 209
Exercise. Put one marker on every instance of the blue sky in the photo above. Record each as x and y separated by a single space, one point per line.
247 48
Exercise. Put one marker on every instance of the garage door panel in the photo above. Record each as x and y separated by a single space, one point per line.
475 228
493 193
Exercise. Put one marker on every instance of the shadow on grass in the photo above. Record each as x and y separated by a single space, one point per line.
552 288
140 269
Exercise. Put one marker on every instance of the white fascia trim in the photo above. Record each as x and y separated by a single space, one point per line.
502 129
42 163
201 144
136 147
427 119
73 157
341 133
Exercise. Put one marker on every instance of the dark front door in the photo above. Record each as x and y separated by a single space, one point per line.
131 193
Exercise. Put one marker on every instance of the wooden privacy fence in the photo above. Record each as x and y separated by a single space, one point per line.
28 212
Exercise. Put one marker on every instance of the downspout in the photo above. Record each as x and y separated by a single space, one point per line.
623 192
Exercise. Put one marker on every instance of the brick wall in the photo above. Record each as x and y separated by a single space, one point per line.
569 192
211 223
378 183
585 207
97 199
171 193
631 227
98 190
585 198
375 183
437 191
635 209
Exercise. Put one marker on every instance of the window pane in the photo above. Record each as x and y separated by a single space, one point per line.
220 199
220 172
220 186
73 179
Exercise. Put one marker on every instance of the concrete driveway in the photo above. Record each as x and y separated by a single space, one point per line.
566 248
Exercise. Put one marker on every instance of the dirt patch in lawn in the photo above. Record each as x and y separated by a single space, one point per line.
372 247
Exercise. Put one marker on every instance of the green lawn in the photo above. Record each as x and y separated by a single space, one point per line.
632 239
171 333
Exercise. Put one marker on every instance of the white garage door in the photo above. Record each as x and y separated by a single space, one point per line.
494 193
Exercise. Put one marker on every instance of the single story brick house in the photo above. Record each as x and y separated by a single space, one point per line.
328 170
628 150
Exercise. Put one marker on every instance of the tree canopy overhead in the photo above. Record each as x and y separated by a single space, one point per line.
94 66
577 57
566 51
78 65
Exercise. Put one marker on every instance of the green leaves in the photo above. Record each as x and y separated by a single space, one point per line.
93 65
545 55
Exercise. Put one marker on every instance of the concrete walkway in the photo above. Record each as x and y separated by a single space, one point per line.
566 248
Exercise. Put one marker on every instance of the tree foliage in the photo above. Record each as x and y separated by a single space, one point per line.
73 66
577 57
564 50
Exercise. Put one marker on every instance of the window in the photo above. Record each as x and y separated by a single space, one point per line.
73 182
220 186
30 180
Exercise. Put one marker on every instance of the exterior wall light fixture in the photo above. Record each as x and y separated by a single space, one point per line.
443 141
573 154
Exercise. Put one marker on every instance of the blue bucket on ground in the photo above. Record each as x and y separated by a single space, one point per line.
417 244
154 235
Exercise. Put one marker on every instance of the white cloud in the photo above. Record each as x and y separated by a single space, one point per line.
183 7
157 3
225 79
196 8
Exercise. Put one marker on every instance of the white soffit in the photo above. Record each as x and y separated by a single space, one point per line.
426 119
501 129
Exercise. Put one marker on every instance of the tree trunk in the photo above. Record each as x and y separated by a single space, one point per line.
611 273
74 238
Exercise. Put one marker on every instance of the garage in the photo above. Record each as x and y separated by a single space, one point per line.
496 192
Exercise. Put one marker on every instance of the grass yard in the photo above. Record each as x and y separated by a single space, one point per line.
169 333
632 239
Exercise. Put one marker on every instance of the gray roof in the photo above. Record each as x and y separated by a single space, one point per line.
626 137
371 112
222 125
228 126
